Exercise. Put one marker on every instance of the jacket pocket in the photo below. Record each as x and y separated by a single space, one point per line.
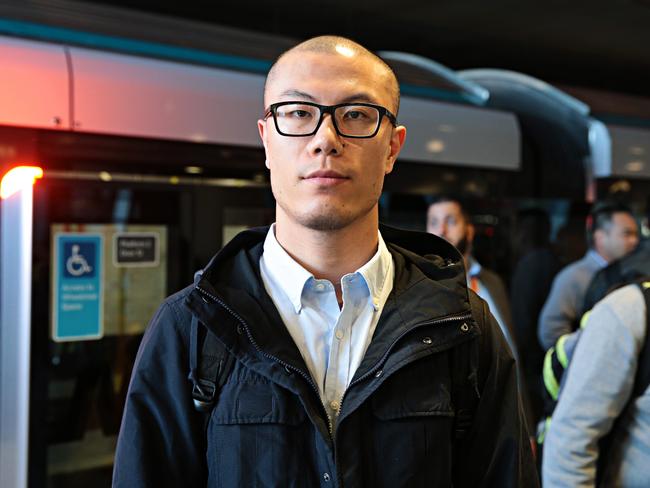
256 403
425 401
258 436
421 389
412 426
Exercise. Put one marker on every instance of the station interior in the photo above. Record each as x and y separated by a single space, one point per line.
141 117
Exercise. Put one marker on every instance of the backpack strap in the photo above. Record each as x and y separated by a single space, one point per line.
642 378
210 366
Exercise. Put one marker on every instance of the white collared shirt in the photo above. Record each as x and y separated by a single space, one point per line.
332 341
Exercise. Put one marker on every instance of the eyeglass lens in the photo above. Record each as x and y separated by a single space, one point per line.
352 120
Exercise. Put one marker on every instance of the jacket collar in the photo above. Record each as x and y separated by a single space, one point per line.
429 284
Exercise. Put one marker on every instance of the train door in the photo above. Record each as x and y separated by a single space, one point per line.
108 247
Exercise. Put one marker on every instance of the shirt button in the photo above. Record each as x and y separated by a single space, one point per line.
339 334
326 477
320 286
335 405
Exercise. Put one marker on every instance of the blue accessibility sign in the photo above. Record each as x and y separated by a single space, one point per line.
78 287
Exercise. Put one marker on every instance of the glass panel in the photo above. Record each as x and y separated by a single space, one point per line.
105 255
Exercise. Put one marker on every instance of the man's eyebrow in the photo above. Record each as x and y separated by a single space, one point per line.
301 95
358 97
298 94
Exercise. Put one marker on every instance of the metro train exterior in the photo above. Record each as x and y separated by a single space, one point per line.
114 153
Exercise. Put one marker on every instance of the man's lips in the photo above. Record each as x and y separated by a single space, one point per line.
324 173
325 177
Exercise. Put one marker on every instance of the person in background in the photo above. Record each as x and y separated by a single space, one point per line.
612 233
448 218
599 434
531 281
637 263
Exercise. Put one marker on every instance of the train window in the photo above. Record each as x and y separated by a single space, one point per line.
106 253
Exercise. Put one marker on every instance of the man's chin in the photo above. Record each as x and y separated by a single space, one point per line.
327 222
326 217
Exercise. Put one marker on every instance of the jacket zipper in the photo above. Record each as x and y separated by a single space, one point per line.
269 356
441 320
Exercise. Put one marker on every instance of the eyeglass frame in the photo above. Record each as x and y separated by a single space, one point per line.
329 109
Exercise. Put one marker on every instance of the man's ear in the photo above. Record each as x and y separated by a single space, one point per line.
597 238
397 139
261 128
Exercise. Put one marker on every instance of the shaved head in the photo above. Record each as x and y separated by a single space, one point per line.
335 46
327 181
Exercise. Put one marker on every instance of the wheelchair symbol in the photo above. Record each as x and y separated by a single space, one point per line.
76 264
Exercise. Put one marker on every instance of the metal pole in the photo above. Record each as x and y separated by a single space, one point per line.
15 336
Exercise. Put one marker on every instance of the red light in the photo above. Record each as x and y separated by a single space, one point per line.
19 178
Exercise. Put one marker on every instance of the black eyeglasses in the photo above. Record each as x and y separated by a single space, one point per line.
357 120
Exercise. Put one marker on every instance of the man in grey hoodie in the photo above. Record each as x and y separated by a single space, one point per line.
612 233
599 388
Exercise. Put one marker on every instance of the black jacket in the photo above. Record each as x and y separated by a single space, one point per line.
269 427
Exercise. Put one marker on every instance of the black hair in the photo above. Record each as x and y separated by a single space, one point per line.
600 216
445 198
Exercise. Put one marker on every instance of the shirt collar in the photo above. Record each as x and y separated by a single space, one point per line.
376 271
292 277
597 258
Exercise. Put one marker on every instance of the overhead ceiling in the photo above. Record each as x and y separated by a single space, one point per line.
601 44
582 44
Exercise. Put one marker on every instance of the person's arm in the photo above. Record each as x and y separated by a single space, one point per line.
559 311
496 451
161 441
597 387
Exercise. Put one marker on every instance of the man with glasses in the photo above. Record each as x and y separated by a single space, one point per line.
354 355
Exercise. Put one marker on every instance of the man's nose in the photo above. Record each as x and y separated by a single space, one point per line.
326 140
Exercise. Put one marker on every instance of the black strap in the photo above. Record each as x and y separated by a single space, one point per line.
209 368
642 378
